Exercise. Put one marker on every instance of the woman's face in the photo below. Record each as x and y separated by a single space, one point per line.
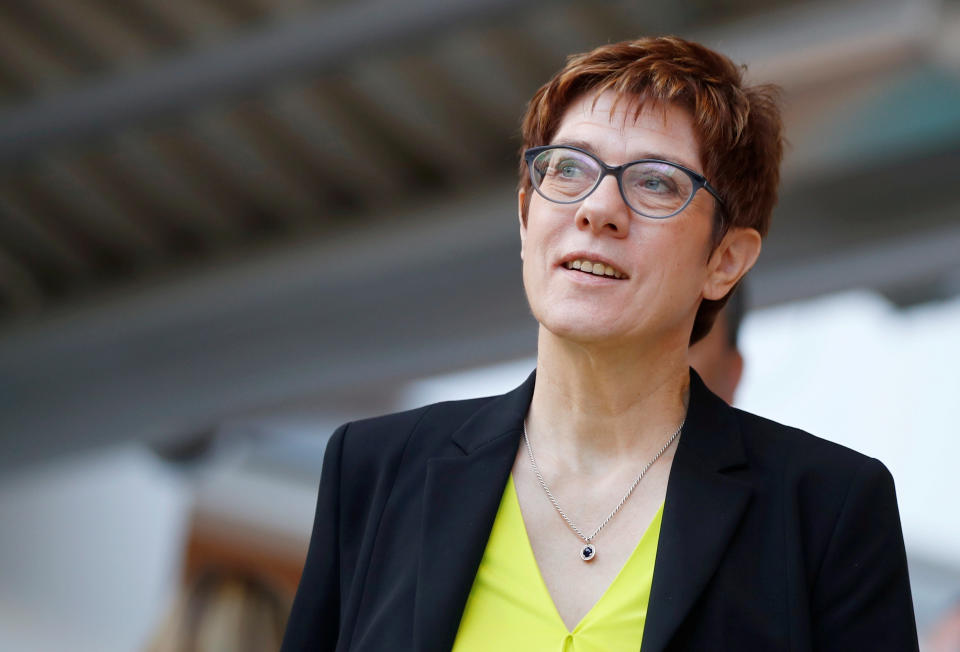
662 262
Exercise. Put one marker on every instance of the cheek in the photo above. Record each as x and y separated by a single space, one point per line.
541 236
535 255
676 261
670 246
694 240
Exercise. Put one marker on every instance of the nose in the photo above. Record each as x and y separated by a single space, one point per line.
604 212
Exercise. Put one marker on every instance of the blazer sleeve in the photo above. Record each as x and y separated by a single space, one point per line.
861 598
315 616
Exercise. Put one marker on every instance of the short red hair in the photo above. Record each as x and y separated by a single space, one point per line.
738 127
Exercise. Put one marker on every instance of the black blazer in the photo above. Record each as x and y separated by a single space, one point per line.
772 539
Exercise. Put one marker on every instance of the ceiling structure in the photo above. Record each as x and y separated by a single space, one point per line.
142 136
219 207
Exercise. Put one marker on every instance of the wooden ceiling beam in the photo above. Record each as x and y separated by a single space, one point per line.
347 141
97 213
168 183
305 45
493 82
43 70
140 18
57 38
290 199
19 289
198 22
424 126
98 30
32 232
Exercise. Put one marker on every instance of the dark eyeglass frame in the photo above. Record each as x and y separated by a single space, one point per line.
698 180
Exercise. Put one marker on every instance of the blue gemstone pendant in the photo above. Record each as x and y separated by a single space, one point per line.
588 552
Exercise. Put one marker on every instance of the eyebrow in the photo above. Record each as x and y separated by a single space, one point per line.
582 144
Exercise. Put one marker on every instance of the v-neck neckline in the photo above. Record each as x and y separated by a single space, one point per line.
514 503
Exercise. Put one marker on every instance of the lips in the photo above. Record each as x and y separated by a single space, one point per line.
595 267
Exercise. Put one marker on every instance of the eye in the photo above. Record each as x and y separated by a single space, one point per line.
654 179
657 184
570 168
564 174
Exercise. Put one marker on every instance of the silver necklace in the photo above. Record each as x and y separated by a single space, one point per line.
589 550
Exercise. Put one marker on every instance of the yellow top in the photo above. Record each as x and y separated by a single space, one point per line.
510 608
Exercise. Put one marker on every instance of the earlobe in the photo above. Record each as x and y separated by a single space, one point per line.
733 258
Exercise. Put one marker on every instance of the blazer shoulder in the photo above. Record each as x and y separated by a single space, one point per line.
769 443
817 475
385 437
842 503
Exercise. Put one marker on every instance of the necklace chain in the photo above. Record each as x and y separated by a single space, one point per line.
553 499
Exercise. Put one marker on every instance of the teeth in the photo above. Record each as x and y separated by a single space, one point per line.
598 269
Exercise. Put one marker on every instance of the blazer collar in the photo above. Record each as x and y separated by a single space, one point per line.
503 415
462 493
463 490
711 434
701 512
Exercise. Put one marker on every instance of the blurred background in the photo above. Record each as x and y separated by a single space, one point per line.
227 226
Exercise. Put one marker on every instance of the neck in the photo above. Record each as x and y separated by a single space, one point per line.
593 404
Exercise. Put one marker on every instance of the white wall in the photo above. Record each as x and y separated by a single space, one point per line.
853 369
89 552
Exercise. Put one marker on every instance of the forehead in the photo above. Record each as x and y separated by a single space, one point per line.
620 128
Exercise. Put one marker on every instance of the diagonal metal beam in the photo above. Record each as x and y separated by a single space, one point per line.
309 44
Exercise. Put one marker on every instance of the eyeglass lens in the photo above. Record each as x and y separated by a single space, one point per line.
655 189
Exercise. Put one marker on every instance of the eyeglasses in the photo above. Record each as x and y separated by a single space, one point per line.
650 187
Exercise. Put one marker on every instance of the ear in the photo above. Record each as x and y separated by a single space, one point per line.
732 258
521 199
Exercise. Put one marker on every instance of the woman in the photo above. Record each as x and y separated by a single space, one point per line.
612 499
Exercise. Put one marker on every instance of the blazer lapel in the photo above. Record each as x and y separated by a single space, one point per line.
701 512
461 496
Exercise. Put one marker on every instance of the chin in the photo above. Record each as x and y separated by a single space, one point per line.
581 319
581 327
